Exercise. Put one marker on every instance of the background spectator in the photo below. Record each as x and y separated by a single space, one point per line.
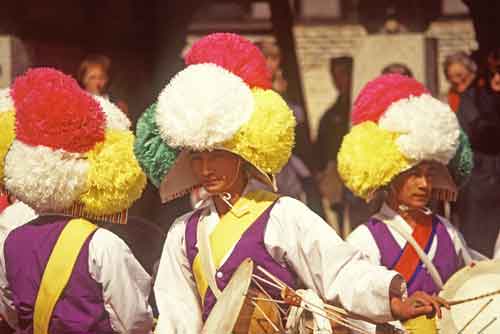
94 76
460 71
398 68
479 116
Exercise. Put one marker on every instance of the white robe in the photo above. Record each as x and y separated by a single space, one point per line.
125 284
294 236
362 239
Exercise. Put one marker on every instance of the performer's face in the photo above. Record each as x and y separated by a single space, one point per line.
218 171
413 188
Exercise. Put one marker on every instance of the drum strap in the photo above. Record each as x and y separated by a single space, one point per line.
214 248
58 271
421 254
206 261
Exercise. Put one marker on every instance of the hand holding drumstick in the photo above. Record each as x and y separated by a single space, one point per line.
419 303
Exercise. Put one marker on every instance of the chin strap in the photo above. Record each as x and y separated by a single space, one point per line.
226 197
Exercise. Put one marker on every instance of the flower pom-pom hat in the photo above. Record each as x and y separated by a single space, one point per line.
64 149
239 114
397 124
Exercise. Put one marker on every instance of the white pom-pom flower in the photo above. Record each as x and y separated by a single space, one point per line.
6 102
429 129
115 118
46 179
202 106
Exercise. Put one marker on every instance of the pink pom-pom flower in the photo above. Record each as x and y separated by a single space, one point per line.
378 94
53 111
234 53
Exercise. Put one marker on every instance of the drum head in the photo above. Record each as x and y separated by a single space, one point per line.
226 311
482 278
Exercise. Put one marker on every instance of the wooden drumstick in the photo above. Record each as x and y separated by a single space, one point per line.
487 325
475 316
458 302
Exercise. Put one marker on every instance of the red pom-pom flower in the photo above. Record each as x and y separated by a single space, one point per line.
378 94
53 111
234 53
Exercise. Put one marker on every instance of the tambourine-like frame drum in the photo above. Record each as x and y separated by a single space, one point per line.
474 293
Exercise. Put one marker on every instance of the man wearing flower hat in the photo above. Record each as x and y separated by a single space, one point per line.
406 148
71 159
218 124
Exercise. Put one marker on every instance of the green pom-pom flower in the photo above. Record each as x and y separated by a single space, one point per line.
153 154
462 163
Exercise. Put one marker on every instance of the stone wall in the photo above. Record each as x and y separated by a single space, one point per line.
316 44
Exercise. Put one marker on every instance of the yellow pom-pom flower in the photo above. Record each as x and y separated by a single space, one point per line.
6 137
115 179
267 139
369 158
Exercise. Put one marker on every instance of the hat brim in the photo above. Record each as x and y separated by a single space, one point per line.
181 180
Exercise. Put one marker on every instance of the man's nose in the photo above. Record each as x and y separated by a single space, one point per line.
423 182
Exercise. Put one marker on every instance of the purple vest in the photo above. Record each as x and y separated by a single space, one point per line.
80 308
251 245
446 261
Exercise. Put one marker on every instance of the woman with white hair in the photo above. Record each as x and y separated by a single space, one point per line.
460 71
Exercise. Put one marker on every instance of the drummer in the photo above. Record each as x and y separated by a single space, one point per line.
231 137
406 149
73 163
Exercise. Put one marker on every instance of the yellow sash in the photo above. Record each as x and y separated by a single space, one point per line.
229 231
58 271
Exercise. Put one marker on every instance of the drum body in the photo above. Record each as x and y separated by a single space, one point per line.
480 315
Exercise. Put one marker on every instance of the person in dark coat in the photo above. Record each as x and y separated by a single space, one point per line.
479 115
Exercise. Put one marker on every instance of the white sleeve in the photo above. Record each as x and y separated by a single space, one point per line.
7 309
362 239
175 290
125 284
467 254
12 217
327 264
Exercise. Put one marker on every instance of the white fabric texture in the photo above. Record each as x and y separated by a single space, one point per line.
295 237
429 129
126 285
223 103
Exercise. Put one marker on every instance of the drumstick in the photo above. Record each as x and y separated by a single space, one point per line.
268 300
458 302
327 306
475 316
265 316
271 276
268 295
487 325
267 282
342 321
